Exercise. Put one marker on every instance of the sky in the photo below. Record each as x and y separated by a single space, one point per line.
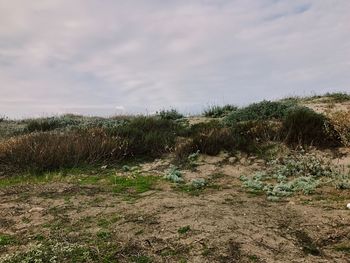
105 57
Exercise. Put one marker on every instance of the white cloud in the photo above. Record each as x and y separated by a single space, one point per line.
151 54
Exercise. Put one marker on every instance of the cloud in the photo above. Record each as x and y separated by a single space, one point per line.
59 55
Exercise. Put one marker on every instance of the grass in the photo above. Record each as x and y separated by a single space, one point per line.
50 144
129 184
133 185
6 240
184 230
343 247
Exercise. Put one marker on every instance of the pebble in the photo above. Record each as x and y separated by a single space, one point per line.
348 205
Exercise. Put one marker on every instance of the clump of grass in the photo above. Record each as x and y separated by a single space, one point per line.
6 240
184 230
134 184
171 114
302 125
219 111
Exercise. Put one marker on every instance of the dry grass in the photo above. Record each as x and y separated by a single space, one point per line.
51 150
341 123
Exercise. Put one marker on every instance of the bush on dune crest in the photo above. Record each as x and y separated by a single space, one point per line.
219 111
305 126
264 110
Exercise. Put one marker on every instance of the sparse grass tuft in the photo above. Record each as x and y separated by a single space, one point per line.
184 230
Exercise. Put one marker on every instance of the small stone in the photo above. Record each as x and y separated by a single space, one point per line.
348 205
36 209
232 159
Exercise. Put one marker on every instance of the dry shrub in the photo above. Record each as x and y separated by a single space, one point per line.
49 150
305 126
214 140
259 131
340 121
183 148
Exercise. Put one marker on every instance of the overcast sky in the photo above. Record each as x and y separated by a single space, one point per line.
111 56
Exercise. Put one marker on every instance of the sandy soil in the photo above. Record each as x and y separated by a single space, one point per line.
226 223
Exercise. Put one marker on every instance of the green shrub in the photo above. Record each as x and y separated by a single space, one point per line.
148 136
49 124
70 122
338 96
301 172
219 111
304 126
171 114
174 175
265 110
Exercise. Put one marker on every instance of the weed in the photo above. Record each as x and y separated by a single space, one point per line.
199 183
103 235
6 240
133 185
174 175
184 230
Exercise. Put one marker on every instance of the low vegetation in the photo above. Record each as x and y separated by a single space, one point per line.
300 172
219 111
170 188
69 141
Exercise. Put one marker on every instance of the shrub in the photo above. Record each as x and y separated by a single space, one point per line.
304 126
340 120
258 131
338 96
49 150
219 111
294 173
171 114
148 136
174 175
49 124
265 110
212 141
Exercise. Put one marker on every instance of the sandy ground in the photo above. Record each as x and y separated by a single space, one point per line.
224 223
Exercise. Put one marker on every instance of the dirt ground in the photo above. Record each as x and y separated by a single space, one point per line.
221 223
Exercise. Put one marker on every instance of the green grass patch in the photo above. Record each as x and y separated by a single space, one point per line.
184 230
6 240
134 184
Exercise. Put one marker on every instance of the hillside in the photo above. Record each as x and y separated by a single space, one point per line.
269 182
